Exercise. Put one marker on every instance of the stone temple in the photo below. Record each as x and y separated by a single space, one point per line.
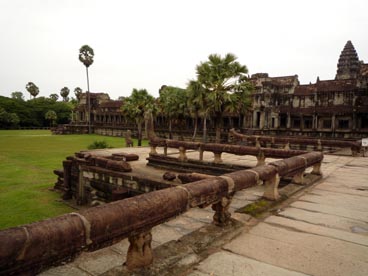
280 106
330 108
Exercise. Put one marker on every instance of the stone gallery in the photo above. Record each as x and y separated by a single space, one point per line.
280 106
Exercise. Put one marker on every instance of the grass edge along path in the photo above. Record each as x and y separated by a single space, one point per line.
27 161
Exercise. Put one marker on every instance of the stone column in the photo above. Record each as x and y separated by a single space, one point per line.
288 121
262 120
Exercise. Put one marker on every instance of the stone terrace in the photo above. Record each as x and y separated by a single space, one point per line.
321 230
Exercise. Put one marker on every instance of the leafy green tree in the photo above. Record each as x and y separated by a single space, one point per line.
8 120
64 92
17 95
86 56
135 106
173 104
54 97
78 92
51 117
224 81
32 89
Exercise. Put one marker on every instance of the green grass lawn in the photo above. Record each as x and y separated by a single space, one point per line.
27 159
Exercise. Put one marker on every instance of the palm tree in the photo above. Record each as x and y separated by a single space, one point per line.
173 104
51 116
135 106
32 89
64 92
224 80
86 55
197 106
78 92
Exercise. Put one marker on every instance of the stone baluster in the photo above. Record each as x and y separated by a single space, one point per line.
298 178
217 157
261 159
139 251
153 149
182 154
201 153
287 146
222 215
271 188
317 169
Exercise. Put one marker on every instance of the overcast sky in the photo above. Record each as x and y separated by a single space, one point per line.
145 44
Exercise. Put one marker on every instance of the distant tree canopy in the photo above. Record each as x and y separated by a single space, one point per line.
31 113
17 95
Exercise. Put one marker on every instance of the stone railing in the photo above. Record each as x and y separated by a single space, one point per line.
317 144
33 247
217 149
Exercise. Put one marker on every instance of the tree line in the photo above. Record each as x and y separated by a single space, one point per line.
221 86
16 112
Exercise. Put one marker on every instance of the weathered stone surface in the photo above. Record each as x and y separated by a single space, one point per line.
296 257
64 270
336 199
331 210
228 264
99 261
317 230
311 241
327 220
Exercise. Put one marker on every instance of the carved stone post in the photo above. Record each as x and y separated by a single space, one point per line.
317 169
139 251
201 153
153 149
217 158
261 159
258 144
319 145
67 164
298 178
271 188
165 150
222 214
287 146
182 154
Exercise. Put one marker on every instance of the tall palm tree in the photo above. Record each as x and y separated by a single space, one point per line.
64 92
78 92
222 79
32 89
86 56
173 104
135 106
197 106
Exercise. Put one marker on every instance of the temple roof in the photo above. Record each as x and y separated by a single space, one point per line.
349 64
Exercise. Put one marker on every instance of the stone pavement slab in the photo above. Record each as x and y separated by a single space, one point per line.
228 264
327 220
296 257
302 226
331 210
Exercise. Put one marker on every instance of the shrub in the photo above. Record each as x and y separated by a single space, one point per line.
99 145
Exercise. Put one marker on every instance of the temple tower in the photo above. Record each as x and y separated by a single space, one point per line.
348 65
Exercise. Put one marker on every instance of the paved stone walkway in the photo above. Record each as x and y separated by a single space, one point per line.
324 231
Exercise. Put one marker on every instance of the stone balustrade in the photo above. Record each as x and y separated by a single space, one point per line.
317 144
33 247
217 149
